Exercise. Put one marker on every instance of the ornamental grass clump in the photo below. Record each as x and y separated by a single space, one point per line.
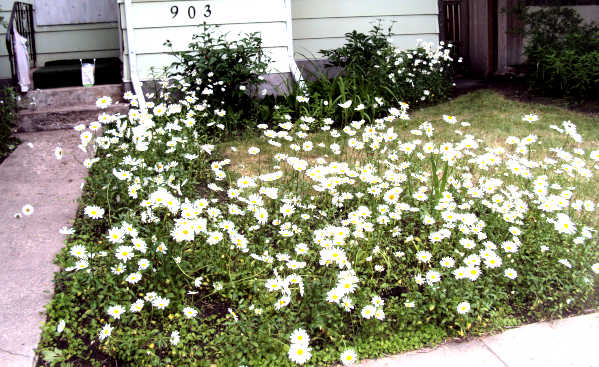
348 243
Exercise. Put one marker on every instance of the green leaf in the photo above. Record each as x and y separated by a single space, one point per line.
52 356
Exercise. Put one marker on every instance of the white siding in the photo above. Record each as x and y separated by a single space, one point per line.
157 60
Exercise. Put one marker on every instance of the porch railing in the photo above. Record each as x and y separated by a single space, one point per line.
21 18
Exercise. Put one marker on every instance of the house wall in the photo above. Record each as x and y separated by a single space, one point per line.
480 37
316 25
156 21
510 46
589 13
59 42
322 24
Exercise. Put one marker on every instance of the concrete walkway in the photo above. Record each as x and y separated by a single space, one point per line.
568 342
29 245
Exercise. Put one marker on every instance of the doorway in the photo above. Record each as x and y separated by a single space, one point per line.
454 29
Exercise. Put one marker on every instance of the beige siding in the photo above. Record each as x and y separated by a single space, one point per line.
59 42
337 27
302 47
589 13
322 24
302 9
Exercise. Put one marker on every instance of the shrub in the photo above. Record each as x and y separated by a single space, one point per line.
360 49
561 52
375 77
227 73
376 72
8 122
411 76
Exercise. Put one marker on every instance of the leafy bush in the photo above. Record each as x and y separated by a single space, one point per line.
376 77
212 66
562 53
360 49
8 122
356 240
226 72
410 76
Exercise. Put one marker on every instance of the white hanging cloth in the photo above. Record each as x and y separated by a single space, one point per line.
22 60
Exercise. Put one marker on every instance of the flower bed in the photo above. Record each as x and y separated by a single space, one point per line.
340 244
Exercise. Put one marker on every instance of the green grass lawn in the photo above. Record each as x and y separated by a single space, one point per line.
492 117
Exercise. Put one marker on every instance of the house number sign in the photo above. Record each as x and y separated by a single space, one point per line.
191 11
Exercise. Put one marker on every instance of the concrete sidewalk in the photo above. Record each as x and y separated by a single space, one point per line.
567 342
29 245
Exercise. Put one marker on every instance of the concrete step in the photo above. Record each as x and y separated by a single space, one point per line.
54 118
73 96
